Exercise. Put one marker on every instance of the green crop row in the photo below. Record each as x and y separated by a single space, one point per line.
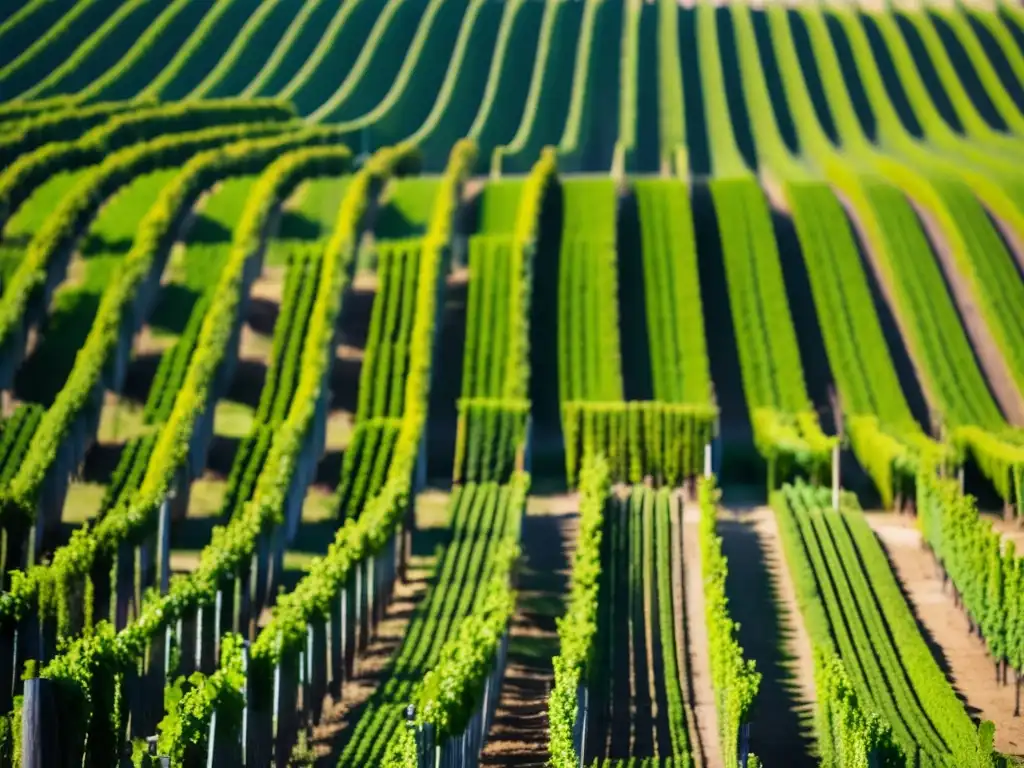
671 118
229 72
590 53
462 90
60 125
986 572
675 320
133 71
184 67
875 633
155 232
60 39
885 437
285 56
222 210
90 664
29 170
662 440
99 52
786 429
485 529
364 535
733 678
577 629
185 730
387 347
74 560
588 329
450 691
849 732
413 91
556 15
494 409
302 279
62 227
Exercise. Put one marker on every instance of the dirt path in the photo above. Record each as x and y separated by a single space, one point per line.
373 666
702 697
772 633
990 357
519 733
960 654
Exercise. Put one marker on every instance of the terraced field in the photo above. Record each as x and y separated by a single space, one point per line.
534 382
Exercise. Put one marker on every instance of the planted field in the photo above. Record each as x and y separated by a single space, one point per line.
714 277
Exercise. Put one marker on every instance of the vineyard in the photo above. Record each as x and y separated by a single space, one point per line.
441 383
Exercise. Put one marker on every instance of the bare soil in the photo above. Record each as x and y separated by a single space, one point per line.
519 732
372 667
707 751
763 601
960 654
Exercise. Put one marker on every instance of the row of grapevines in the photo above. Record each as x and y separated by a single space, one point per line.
26 51
639 438
675 321
636 615
93 663
125 293
786 429
734 679
75 303
74 560
986 572
459 98
577 629
220 214
540 122
208 41
97 53
292 49
876 635
364 535
885 437
849 731
71 152
508 82
977 426
150 51
330 62
494 409
934 333
483 548
381 398
228 72
450 691
63 225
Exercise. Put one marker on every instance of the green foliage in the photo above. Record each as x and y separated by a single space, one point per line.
185 728
859 623
734 679
786 429
675 321
450 692
578 627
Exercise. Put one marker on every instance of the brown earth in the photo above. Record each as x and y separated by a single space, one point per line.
960 654
519 732
707 751
772 633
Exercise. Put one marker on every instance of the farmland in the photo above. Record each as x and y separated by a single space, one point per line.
422 383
